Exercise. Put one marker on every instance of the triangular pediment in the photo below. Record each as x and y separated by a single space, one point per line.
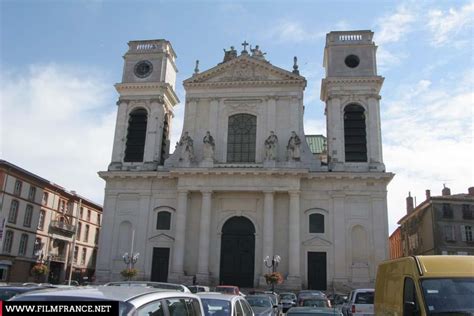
245 69
161 237
317 241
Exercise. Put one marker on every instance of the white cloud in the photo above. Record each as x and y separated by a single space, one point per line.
291 31
392 28
314 127
58 123
428 141
445 26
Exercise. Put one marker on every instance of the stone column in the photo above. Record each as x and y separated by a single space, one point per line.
294 230
121 125
267 227
340 263
105 255
204 238
180 233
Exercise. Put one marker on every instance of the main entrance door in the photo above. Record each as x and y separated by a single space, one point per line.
317 271
237 252
159 264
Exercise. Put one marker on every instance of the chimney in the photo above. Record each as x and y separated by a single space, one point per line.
446 191
428 194
409 203
470 191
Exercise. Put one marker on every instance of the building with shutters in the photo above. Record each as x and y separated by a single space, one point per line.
38 222
242 183
440 225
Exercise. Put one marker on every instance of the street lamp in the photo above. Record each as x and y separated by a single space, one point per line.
131 258
272 264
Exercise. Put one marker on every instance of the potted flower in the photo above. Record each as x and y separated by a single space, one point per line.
129 273
39 270
274 278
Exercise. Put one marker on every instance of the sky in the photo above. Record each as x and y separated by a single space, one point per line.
60 59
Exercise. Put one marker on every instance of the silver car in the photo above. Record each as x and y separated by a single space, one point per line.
136 301
216 304
156 285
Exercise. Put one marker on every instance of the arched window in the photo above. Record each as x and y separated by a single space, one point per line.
316 223
355 137
241 137
163 220
136 134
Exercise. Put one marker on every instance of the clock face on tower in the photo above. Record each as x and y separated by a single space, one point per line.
143 69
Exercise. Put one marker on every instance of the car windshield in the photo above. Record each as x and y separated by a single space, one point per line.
215 307
364 298
449 296
315 303
287 296
259 301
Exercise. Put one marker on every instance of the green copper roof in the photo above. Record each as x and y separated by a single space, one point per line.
316 143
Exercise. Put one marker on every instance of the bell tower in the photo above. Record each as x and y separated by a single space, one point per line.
351 90
145 106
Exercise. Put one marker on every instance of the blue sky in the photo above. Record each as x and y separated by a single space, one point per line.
60 59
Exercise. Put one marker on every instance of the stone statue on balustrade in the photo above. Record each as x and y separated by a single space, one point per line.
208 147
293 148
186 148
271 147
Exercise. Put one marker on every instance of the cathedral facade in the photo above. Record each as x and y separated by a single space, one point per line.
241 185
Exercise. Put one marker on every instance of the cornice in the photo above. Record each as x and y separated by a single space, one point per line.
339 86
165 88
260 83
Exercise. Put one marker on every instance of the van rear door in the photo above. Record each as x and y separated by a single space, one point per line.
363 303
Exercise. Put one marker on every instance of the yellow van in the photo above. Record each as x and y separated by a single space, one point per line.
425 285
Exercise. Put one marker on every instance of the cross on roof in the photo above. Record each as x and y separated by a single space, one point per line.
245 44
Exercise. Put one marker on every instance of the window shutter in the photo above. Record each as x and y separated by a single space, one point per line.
463 233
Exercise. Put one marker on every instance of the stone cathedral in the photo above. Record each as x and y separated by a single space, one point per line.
242 184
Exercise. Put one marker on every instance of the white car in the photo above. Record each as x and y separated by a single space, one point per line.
360 303
156 285
225 305
139 301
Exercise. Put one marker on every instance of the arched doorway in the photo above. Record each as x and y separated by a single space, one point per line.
237 252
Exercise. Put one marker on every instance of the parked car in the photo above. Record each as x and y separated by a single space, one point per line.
425 285
360 303
315 301
198 288
313 311
262 305
7 292
288 300
156 285
338 299
275 300
308 293
228 289
225 305
132 300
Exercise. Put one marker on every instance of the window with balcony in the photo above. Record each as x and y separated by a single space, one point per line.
76 253
96 239
23 245
28 215
32 194
7 244
41 220
79 230
447 211
12 215
86 234
45 198
17 189
84 255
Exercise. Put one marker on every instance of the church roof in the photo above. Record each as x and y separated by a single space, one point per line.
316 143
245 70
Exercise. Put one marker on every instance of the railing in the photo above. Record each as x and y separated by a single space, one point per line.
63 226
352 37
58 257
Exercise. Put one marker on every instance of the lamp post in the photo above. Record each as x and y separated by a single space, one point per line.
272 264
131 258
